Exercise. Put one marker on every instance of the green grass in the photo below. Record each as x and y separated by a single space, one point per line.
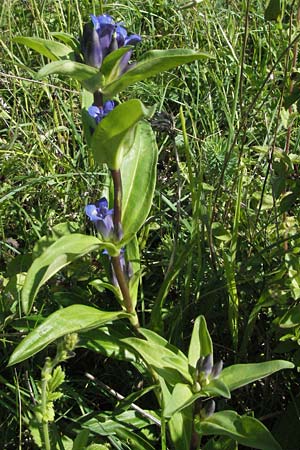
223 234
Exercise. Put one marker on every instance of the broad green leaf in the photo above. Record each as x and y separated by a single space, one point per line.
123 425
216 388
54 258
248 431
90 77
221 443
108 342
110 66
73 319
59 230
114 135
172 366
201 343
51 49
138 171
291 318
181 397
182 394
180 426
241 374
153 62
67 38
81 440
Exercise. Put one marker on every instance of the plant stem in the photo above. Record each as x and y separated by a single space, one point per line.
98 99
45 372
116 176
115 260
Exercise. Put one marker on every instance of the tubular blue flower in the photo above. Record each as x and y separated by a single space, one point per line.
98 113
102 217
103 36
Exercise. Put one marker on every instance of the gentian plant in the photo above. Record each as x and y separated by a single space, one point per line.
119 135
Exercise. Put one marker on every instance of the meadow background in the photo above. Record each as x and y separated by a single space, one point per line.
223 237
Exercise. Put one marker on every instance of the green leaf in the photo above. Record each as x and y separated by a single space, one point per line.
114 135
169 363
291 318
248 431
73 319
273 10
241 374
222 443
181 395
110 67
108 342
180 426
81 440
153 62
201 343
58 255
51 49
90 77
138 171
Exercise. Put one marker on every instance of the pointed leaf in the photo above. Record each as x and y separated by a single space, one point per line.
90 77
51 49
110 66
65 250
73 319
173 367
201 343
180 426
248 431
114 135
182 394
241 374
181 397
291 318
139 178
153 62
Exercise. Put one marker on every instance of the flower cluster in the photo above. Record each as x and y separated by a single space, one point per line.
98 113
103 36
206 371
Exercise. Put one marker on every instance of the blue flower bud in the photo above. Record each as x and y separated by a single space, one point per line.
216 370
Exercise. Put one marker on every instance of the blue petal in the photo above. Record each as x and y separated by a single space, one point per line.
94 111
121 35
123 65
105 19
102 203
133 39
105 226
91 212
108 106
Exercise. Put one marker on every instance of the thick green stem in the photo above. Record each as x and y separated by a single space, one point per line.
115 260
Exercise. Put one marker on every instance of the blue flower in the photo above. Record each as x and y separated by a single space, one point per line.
98 113
103 36
102 217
